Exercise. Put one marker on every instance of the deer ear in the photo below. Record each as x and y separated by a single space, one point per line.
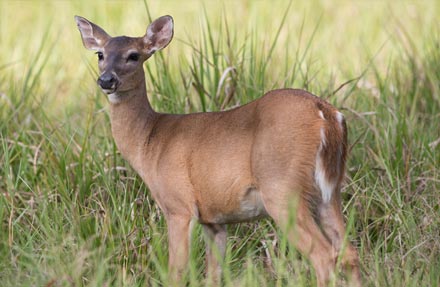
159 34
93 36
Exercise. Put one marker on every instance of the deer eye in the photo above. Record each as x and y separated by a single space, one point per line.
133 57
100 56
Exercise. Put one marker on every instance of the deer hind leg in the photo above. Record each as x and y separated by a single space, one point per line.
332 222
215 236
305 235
179 233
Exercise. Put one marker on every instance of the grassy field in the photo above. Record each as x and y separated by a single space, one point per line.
73 213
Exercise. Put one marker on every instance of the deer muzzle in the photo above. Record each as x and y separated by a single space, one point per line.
108 82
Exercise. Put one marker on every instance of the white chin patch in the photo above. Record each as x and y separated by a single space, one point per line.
114 98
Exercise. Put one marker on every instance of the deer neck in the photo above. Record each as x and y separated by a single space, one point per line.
132 120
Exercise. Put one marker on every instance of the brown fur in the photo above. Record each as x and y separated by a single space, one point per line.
253 161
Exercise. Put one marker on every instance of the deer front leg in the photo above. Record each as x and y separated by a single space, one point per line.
179 232
215 235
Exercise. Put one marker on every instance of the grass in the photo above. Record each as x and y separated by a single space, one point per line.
73 213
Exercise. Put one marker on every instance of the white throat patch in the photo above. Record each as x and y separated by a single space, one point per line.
114 98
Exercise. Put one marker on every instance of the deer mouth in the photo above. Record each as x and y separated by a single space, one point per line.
109 91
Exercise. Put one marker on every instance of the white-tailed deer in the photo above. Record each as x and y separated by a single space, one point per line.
286 149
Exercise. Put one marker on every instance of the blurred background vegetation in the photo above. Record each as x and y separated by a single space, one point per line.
73 213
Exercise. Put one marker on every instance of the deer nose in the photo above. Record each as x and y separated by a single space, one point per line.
107 81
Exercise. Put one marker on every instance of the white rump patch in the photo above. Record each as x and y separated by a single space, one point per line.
321 115
323 140
323 183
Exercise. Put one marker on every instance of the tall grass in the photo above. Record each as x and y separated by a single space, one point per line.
73 213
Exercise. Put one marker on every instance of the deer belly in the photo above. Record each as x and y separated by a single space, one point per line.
244 206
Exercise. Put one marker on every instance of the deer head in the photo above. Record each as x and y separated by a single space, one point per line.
120 59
